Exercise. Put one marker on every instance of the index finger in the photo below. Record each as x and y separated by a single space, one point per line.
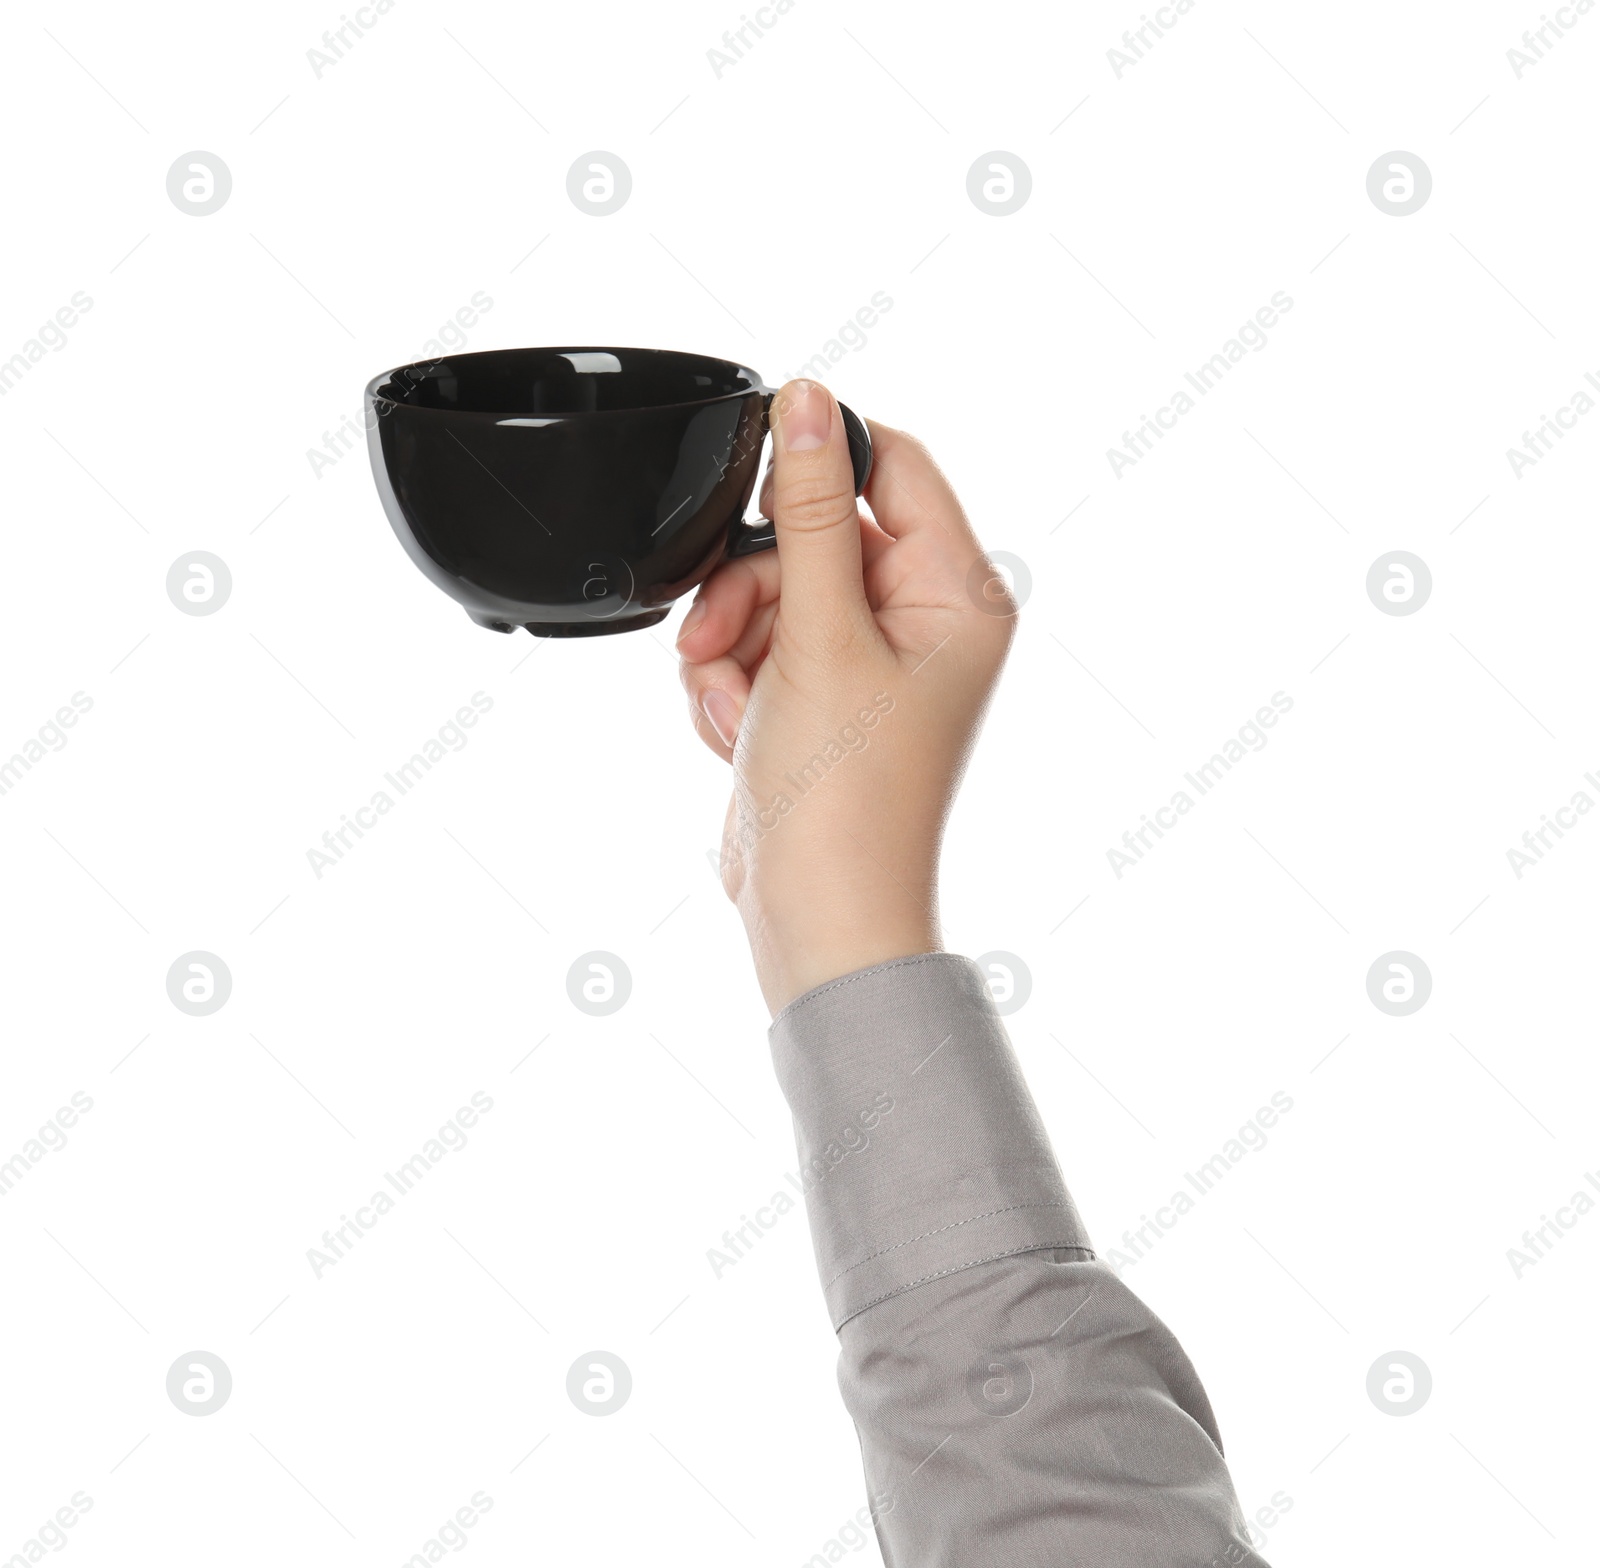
909 494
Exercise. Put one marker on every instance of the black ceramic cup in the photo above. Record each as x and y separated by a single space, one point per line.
573 491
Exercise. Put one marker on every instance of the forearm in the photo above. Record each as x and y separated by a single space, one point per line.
1015 1402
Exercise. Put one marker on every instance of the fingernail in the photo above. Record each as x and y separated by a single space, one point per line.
697 613
806 419
720 709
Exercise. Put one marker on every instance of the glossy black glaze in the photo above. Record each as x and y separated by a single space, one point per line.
574 491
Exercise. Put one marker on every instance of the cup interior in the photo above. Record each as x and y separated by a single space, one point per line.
553 382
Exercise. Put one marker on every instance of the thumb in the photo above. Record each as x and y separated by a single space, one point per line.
814 513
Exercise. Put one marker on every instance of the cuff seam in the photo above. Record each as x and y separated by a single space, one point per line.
1043 1203
956 1268
860 974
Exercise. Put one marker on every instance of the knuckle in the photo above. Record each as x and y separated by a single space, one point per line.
989 589
904 444
693 682
912 443
814 501
1002 607
1000 619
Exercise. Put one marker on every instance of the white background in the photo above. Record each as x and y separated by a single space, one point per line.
1166 606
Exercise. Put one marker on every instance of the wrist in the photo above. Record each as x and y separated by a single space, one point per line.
796 951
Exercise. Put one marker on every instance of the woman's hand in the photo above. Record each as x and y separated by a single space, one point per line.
845 676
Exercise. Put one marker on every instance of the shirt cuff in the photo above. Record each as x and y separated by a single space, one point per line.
921 1152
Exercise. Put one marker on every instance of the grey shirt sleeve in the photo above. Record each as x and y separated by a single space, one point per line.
1015 1402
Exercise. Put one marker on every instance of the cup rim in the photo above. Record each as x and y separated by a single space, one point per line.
757 385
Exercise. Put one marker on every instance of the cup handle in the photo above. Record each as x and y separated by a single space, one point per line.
747 539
